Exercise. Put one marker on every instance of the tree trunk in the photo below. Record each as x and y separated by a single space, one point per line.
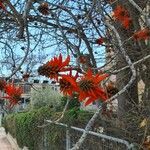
128 102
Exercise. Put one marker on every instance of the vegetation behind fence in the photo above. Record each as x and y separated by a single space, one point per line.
24 127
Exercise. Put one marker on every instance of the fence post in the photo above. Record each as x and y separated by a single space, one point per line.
68 138
45 139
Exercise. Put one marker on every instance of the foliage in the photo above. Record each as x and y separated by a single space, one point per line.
73 103
24 127
45 97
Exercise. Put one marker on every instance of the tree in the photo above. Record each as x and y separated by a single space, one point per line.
85 30
45 97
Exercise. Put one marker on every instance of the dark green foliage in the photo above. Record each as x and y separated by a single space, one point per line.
73 103
24 127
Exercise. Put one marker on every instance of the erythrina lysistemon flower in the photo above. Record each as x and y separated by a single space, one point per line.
90 89
143 34
13 94
68 84
122 15
53 67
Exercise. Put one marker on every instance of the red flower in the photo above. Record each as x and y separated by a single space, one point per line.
90 89
13 94
142 34
122 15
126 22
53 67
100 41
68 84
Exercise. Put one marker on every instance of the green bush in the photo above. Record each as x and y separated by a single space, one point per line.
24 127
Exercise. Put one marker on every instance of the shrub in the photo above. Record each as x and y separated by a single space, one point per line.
24 127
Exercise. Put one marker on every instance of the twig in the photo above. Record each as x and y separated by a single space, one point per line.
141 11
136 6
64 110
17 17
135 63
24 17
25 56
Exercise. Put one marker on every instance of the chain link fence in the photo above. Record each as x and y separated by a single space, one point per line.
94 140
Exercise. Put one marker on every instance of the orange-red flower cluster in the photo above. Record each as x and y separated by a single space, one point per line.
122 15
13 94
68 84
54 67
143 34
87 86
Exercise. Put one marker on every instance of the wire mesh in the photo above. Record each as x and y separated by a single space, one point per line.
97 143
69 135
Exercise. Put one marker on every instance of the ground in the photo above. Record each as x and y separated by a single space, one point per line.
4 142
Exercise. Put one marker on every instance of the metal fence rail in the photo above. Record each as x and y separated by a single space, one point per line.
104 142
